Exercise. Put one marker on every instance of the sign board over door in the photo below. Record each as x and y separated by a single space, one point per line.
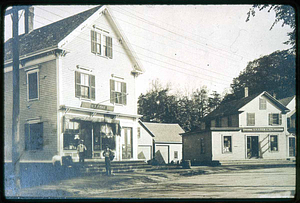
97 106
263 129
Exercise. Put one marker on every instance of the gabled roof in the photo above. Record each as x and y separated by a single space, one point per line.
163 132
51 35
233 107
286 101
47 36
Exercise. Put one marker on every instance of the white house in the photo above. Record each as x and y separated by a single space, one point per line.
160 139
290 103
77 82
252 127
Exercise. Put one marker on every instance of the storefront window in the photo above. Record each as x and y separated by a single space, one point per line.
71 135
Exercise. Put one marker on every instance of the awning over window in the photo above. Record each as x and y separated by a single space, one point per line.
109 126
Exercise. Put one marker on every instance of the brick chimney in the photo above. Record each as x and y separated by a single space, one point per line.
29 15
246 92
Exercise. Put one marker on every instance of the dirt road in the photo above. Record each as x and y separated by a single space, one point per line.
253 183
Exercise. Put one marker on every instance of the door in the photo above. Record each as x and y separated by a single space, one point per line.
126 141
292 147
252 147
164 151
86 135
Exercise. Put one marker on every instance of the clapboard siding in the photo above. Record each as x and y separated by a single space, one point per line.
192 147
45 107
103 68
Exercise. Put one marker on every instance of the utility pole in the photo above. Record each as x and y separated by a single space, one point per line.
16 99
16 103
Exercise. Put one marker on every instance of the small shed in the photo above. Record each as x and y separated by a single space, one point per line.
162 140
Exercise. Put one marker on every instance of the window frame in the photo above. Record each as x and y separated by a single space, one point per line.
249 120
122 94
105 43
262 104
91 87
37 71
28 145
223 145
271 119
270 142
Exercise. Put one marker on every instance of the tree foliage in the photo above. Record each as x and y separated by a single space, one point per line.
284 14
158 105
274 73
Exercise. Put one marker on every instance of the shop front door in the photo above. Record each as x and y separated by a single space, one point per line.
292 147
86 135
252 147
126 137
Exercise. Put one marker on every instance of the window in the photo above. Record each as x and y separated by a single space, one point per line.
227 144
101 44
250 119
202 146
262 104
84 85
71 135
34 136
96 42
273 143
275 119
175 154
118 93
33 85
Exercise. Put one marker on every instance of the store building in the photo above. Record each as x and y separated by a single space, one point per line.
160 139
77 82
252 127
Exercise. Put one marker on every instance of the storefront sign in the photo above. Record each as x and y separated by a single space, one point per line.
267 129
97 106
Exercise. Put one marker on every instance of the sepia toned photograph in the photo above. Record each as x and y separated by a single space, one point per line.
149 102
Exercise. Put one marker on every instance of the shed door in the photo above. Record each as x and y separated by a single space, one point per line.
164 150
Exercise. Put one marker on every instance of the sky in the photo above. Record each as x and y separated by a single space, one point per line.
185 46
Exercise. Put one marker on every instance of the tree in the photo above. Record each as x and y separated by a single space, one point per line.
157 105
284 14
275 73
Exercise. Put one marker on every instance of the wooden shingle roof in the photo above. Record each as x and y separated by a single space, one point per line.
164 132
47 36
232 107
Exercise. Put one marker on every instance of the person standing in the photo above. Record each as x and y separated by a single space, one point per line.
109 156
81 148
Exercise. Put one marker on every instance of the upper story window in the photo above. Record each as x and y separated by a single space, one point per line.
275 119
33 85
101 44
84 85
34 136
250 119
262 104
118 93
